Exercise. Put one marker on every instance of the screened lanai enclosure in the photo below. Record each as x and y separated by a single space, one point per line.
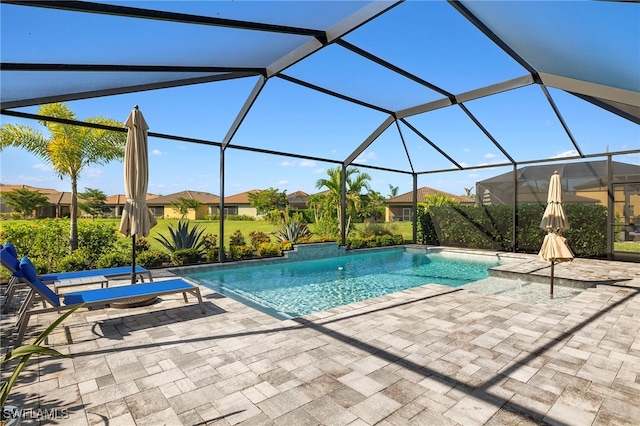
454 95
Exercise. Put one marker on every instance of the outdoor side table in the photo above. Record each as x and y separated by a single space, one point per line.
72 282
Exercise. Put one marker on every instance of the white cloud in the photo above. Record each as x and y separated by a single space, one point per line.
283 182
307 163
296 163
157 152
365 156
91 172
569 153
31 178
318 171
42 167
490 155
466 150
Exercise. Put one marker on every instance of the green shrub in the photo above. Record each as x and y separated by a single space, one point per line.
274 216
186 256
211 250
384 240
293 230
213 217
285 245
182 237
239 217
45 242
327 227
398 239
355 243
212 254
97 237
491 227
306 215
114 259
374 228
269 249
152 258
258 238
240 252
209 241
142 245
76 261
237 239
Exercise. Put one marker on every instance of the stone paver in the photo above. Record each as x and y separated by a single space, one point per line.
428 355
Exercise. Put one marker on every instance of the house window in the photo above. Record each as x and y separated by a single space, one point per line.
406 214
233 210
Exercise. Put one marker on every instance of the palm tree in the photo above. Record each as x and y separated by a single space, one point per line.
355 182
68 149
469 194
394 191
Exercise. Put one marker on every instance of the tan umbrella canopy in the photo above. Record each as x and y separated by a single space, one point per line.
554 247
136 217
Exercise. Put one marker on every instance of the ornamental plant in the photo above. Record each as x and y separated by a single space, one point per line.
24 353
181 237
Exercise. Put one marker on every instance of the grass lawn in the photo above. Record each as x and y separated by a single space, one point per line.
627 246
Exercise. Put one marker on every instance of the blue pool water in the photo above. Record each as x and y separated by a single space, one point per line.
294 289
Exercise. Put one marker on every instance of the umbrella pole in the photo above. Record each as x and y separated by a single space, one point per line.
551 294
133 259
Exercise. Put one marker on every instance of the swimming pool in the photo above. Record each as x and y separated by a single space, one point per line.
293 289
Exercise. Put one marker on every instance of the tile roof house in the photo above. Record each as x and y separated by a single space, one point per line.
116 203
400 208
59 202
162 206
239 204
298 200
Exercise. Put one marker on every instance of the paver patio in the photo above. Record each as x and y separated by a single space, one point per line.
432 355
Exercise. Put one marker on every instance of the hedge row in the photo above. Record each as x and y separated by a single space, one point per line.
491 227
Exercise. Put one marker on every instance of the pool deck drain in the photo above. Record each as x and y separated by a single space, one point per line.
428 355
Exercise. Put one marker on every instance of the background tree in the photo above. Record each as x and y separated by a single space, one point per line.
372 206
469 194
438 200
393 191
94 202
68 149
356 183
317 203
268 199
184 204
25 201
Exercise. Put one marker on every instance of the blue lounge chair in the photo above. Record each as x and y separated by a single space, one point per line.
9 259
91 298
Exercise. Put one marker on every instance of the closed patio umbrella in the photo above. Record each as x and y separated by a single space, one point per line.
554 247
136 217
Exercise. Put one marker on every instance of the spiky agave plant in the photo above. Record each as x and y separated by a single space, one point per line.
292 230
182 237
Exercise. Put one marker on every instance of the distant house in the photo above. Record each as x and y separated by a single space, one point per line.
298 200
162 206
239 204
400 208
115 203
59 202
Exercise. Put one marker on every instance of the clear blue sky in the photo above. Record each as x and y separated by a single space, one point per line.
429 39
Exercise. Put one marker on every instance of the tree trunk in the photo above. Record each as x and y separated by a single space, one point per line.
73 229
